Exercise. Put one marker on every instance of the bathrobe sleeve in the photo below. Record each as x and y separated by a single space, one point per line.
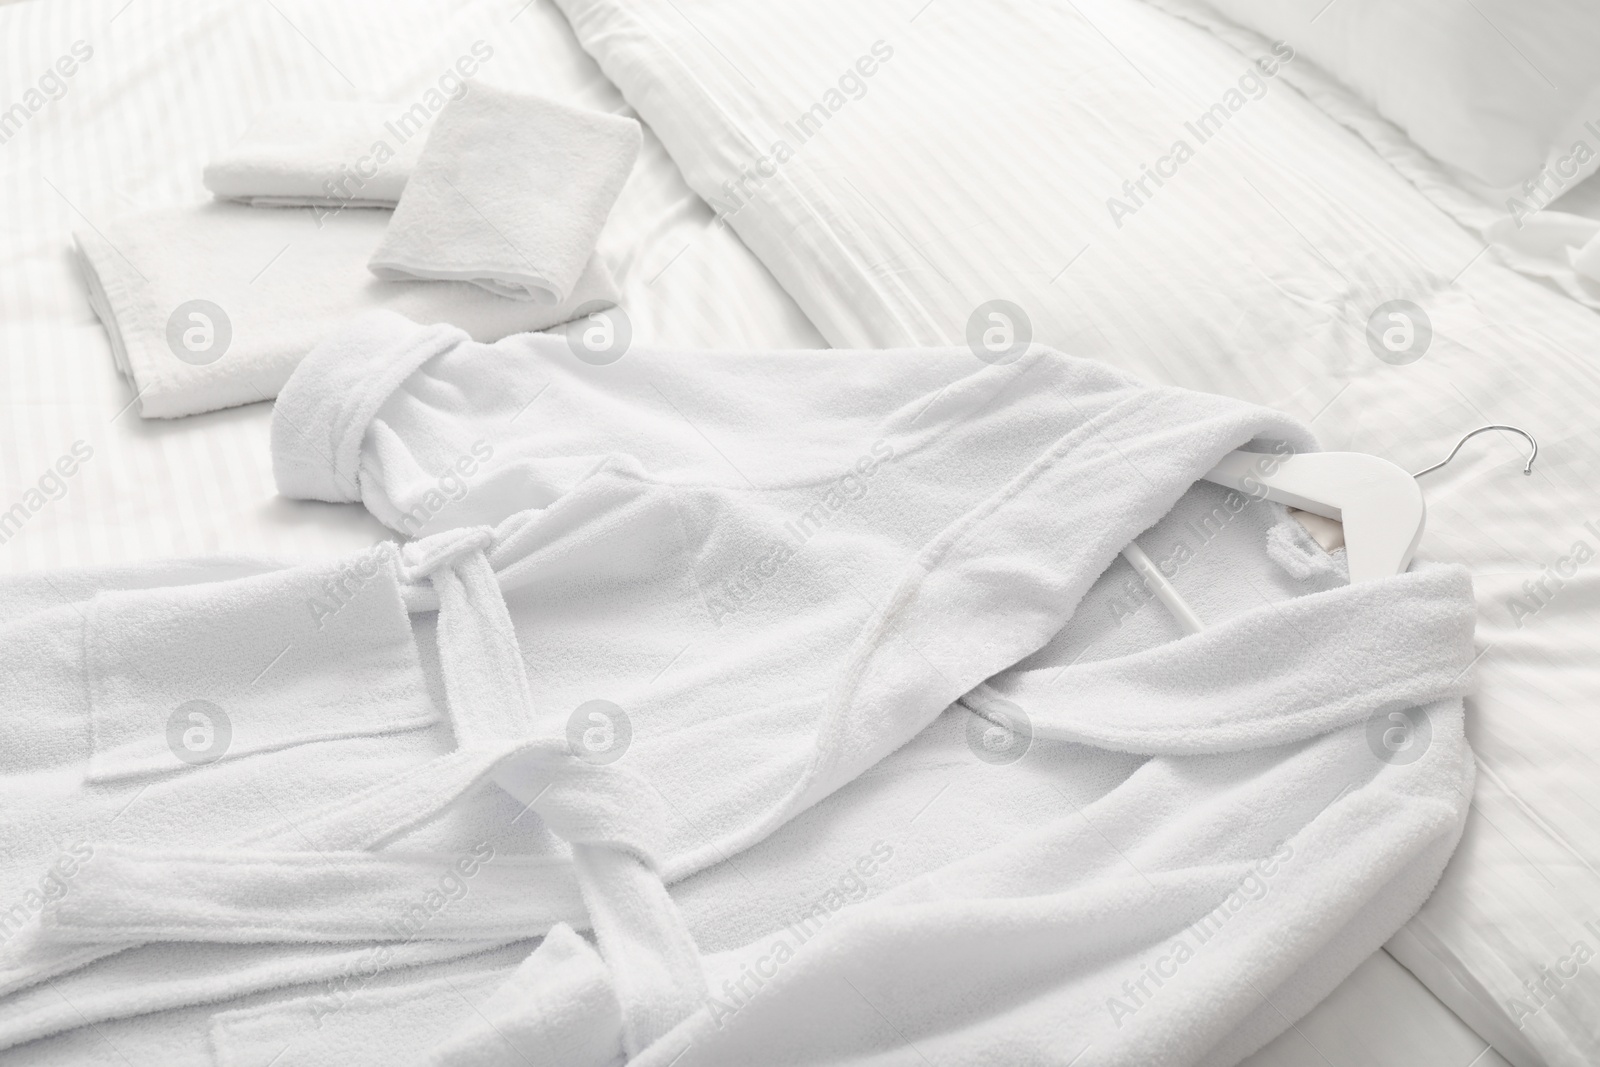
431 430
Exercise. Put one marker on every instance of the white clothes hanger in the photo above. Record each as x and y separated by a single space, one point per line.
1379 504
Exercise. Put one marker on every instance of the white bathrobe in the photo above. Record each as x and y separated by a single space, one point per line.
833 644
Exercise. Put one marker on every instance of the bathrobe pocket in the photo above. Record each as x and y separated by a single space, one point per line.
186 676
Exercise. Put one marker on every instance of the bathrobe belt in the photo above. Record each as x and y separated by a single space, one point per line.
609 816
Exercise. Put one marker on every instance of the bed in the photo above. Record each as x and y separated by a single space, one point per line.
977 161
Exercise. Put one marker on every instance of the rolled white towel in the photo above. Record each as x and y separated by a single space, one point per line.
319 153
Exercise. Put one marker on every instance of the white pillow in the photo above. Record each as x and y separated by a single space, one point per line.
1498 89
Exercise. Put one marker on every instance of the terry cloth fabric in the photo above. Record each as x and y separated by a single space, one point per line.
62 801
213 305
319 1029
323 153
837 645
510 193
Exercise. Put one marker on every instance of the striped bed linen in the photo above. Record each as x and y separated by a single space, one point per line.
1147 194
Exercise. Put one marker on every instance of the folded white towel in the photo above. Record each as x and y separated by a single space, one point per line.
510 193
210 306
327 153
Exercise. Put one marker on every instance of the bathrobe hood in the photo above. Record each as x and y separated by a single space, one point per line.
792 584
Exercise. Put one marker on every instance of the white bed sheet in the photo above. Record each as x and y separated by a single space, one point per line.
168 84
980 159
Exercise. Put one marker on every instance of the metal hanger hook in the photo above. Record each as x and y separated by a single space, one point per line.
1533 455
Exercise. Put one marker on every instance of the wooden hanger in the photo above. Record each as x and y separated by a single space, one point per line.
1379 504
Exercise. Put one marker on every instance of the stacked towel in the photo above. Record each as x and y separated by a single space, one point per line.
212 306
510 193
